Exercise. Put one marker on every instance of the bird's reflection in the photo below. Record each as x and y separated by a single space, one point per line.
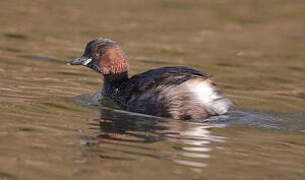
125 136
121 135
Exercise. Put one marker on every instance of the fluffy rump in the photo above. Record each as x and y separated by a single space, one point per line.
210 96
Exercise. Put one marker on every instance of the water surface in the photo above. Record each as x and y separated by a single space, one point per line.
52 127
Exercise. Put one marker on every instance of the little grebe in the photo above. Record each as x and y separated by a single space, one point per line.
175 92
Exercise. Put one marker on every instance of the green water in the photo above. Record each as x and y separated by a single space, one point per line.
52 127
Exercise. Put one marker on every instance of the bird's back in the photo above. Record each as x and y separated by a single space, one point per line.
175 92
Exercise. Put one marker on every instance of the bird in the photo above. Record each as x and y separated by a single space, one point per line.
176 92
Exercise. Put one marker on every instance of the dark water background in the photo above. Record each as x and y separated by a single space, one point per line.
51 126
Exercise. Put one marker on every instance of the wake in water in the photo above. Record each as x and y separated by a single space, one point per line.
127 136
233 117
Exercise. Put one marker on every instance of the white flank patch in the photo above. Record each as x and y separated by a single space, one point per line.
207 94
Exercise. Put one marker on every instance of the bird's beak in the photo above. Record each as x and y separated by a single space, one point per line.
80 61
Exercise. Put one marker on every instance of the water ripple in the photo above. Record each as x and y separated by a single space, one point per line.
122 135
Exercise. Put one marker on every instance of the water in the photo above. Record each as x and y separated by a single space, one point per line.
53 127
